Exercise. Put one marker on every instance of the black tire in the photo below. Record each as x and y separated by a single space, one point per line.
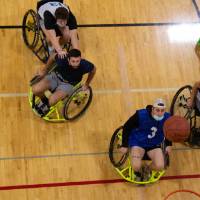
29 28
179 101
77 102
116 158
41 48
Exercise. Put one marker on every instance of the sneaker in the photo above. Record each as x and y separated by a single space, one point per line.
146 173
138 177
42 109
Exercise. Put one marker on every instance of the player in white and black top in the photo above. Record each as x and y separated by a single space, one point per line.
58 23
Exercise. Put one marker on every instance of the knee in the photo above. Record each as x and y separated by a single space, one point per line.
159 166
53 99
36 90
136 165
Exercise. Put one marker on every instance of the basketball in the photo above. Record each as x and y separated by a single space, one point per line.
176 129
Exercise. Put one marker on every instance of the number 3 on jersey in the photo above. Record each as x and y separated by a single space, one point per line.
153 132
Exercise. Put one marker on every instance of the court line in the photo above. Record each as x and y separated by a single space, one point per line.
125 85
76 154
92 182
112 25
196 8
104 91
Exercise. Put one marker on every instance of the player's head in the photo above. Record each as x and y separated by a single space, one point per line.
62 16
74 58
158 109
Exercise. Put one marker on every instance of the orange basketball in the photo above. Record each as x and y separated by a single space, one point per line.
176 129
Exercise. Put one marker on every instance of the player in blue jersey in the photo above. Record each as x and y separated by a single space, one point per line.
143 133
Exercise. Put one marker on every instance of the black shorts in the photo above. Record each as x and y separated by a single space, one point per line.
146 157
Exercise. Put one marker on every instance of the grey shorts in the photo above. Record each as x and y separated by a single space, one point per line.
57 84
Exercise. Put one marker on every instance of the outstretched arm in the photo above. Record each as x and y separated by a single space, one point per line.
45 69
194 93
89 78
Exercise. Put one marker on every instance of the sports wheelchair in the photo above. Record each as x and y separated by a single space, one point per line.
34 37
69 108
179 107
122 162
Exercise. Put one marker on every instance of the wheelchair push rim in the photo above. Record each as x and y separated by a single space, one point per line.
116 157
30 29
77 103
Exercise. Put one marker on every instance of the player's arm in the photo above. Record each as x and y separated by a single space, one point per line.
90 76
194 93
45 68
51 34
132 122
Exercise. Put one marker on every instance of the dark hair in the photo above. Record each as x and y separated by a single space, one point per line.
74 53
62 13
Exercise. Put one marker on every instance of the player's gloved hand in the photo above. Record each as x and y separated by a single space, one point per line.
41 72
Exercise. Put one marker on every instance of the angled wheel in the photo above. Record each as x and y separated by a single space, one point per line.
41 48
30 29
77 103
179 105
116 157
179 102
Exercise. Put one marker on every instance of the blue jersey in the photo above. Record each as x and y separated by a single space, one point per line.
149 133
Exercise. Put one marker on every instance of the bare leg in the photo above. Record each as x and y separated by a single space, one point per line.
57 96
157 158
137 154
39 88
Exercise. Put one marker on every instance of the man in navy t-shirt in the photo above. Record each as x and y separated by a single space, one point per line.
68 72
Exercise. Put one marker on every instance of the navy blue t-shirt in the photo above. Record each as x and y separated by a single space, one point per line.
68 73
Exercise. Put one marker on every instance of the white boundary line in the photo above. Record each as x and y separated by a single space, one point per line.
105 91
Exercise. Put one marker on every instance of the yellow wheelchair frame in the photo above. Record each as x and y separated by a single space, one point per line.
57 113
123 164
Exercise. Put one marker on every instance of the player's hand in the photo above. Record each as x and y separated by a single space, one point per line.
41 72
189 103
85 87
168 149
123 150
62 54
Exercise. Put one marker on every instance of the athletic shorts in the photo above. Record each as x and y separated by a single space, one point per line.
57 84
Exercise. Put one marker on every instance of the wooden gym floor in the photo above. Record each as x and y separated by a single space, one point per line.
151 56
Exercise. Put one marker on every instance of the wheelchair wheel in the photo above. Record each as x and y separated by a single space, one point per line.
179 102
30 29
116 157
41 48
77 103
